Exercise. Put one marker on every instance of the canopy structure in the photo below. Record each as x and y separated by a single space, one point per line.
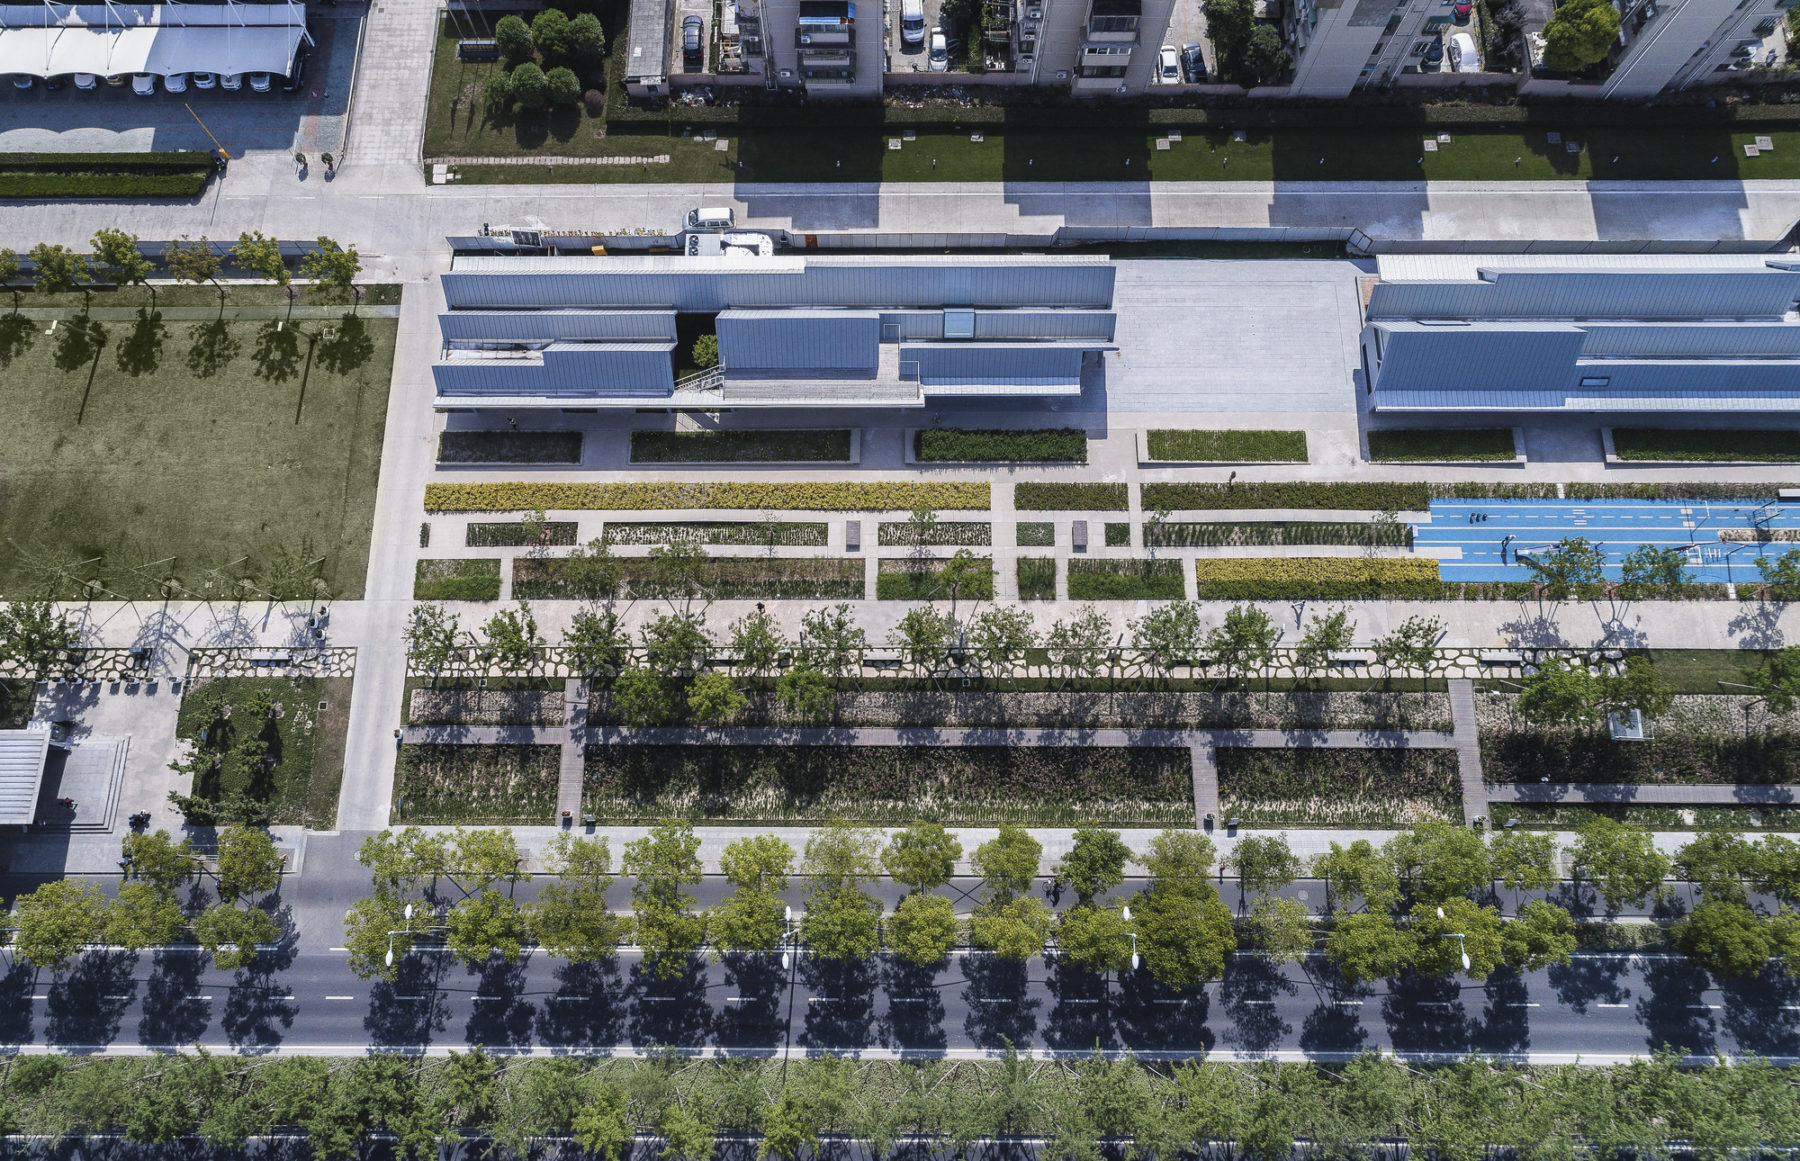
47 40
22 755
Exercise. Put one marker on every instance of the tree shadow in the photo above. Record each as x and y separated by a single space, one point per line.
1760 1012
1589 979
78 343
211 348
87 1004
1250 994
1081 1012
173 1012
1759 624
1674 1011
752 1018
141 352
1506 1021
260 1011
583 1011
1000 1013
17 335
501 1015
345 346
277 354
1152 1017
406 1012
915 1013
670 1010
1426 1014
15 1003
841 1017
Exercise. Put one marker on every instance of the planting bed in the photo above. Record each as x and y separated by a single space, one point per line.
476 785
1319 577
740 447
520 496
1442 445
1338 788
1037 578
457 580
1000 445
1034 534
296 781
983 785
1650 444
1264 533
901 579
722 578
1697 818
1071 497
947 534
509 447
505 702
513 534
1125 580
1226 446
1341 497
760 533
1118 535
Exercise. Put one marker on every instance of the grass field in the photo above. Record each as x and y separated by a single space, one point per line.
305 744
244 445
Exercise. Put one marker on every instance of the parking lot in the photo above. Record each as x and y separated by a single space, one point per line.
904 57
113 119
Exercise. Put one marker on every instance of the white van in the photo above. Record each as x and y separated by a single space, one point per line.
912 21
1463 57
710 218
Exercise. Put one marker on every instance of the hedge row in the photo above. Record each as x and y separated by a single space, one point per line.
102 185
517 534
1442 444
1469 490
457 580
1662 444
1317 577
670 494
1675 491
1227 446
938 445
1125 580
740 447
1071 497
509 447
1343 497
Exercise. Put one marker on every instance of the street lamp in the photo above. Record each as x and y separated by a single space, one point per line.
787 952
1125 914
1458 937
407 931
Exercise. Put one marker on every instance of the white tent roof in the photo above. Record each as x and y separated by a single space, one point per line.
46 40
22 754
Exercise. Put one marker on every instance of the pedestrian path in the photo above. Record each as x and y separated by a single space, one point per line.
1468 749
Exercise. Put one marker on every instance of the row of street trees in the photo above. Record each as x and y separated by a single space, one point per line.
53 924
116 258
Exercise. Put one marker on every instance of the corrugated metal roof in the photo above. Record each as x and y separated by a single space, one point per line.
1452 267
1593 295
1670 401
574 370
801 343
1032 364
1704 340
22 755
520 326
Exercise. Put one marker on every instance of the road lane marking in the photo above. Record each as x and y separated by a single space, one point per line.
1612 1005
1519 1005
337 997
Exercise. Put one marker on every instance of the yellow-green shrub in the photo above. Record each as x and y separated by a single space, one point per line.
1339 577
894 496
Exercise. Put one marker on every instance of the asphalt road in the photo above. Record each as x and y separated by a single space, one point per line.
1603 1007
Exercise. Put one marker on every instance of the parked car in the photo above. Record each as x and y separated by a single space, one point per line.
143 84
21 81
912 22
1168 66
115 79
1193 64
206 80
259 82
693 53
231 82
1462 10
1463 57
87 82
1434 56
940 50
175 83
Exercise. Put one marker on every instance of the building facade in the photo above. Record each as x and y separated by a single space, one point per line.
1668 45
1343 45
586 332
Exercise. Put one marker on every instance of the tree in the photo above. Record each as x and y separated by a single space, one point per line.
1621 861
9 272
514 36
1438 950
1778 682
233 935
513 639
804 693
1439 860
1229 22
144 915
117 252
550 32
757 642
1170 634
1358 871
922 637
193 262
586 42
1778 868
1543 934
831 642
1280 928
1650 567
1640 687
641 697
431 632
668 925
1726 938
922 857
921 530
1245 642
591 572
675 644
595 645
1719 863
1323 637
158 860
1094 939
35 638
1080 647
962 572
842 921
249 864
1412 645
1265 58
1561 693
1366 946
923 929
714 699
57 269
1580 34
686 1136
261 255
601 1128
331 267
1573 561
1014 927
53 923
561 87
570 917
1184 935
1265 863
753 917
1181 860
1523 861
528 86
1008 862
1001 636
1094 864
1781 574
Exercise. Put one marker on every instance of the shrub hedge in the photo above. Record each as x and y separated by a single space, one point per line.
916 580
1441 444
1346 497
1034 534
1227 446
741 447
1000 445
457 580
809 497
1321 577
509 447
1655 443
1275 532
514 534
1037 578
1470 490
1749 490
723 578
103 175
1125 580
1071 497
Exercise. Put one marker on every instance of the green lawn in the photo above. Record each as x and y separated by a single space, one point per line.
250 447
298 782
1226 446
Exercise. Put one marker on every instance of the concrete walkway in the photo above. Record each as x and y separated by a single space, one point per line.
1615 793
1468 749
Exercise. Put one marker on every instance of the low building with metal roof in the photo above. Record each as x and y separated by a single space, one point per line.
23 754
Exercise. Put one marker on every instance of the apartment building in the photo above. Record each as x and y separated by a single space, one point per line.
1667 45
816 45
1343 45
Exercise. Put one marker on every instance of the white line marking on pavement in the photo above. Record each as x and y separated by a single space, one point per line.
1612 1005
340 997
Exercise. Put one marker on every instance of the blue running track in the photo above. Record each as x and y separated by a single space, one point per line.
1617 526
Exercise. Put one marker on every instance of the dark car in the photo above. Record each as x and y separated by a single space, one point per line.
1193 65
692 55
1434 56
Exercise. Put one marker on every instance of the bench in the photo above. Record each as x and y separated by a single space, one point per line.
853 536
1501 657
477 50
1078 535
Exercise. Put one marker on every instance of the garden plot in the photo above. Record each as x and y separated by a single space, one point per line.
476 785
1338 788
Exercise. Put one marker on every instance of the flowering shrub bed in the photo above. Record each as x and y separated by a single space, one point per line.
891 784
1324 577
457 580
761 533
950 534
721 578
468 784
1385 788
517 534
1348 497
895 496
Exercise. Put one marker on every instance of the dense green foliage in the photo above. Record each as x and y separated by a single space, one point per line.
747 446
1658 443
1226 446
468 579
1276 532
509 447
1071 497
1037 578
87 175
1441 445
1125 580
1345 497
1000 445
